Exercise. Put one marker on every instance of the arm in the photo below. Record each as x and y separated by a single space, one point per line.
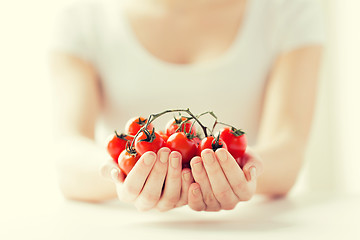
286 122
76 107
287 118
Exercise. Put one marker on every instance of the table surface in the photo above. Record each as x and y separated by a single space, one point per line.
302 216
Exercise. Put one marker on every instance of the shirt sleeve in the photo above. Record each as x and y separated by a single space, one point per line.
302 23
73 32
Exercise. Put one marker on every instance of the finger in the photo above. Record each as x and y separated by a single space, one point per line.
195 199
107 168
253 181
172 189
233 173
150 194
249 160
219 183
117 176
186 181
200 176
136 178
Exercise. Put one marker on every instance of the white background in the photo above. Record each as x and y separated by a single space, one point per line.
27 174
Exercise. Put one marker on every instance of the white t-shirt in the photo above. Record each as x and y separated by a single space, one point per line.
135 82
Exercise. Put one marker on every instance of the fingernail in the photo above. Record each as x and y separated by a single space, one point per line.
186 176
196 192
197 167
114 175
149 159
221 154
208 157
174 161
164 155
253 173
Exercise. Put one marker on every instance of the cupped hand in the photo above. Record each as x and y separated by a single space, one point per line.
157 181
220 183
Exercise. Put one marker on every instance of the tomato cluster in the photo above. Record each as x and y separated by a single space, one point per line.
180 135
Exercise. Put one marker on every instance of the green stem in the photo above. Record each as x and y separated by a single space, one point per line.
153 117
225 124
234 130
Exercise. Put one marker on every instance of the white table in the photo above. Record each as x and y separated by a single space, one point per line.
305 216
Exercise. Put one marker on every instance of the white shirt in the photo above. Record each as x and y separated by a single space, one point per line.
135 82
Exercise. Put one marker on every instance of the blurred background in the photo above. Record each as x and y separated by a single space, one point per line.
27 172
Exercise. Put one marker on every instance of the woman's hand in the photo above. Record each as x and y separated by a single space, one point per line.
156 181
220 183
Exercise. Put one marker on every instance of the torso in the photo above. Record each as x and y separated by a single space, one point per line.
186 36
152 58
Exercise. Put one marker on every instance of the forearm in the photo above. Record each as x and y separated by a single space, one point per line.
282 159
289 106
77 163
77 105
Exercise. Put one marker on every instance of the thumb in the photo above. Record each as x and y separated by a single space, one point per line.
251 160
111 171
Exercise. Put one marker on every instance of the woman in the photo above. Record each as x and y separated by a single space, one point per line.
253 62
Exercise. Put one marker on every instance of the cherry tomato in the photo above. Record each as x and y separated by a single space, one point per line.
243 160
164 136
211 143
180 142
127 161
134 124
186 165
117 144
174 126
197 140
235 140
148 141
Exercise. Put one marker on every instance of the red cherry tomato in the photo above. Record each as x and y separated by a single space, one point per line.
186 165
174 126
134 124
181 143
197 140
235 140
164 136
211 143
127 161
117 144
243 160
148 141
